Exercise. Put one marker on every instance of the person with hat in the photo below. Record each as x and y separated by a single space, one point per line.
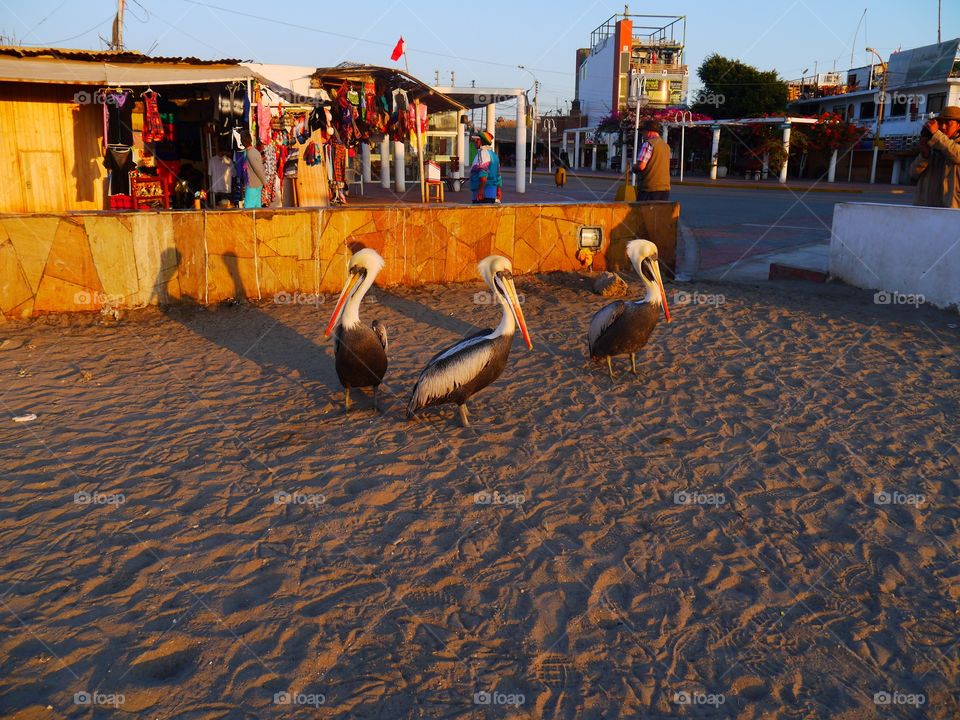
653 164
937 168
485 180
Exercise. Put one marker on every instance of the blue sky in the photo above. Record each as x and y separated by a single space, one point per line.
788 36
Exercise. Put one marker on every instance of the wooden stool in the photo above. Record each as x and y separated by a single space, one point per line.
438 195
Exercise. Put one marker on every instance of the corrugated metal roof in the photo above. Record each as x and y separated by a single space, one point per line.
75 72
117 56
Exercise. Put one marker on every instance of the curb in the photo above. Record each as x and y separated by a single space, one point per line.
788 272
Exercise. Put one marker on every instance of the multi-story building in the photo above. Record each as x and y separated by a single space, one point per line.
912 85
630 56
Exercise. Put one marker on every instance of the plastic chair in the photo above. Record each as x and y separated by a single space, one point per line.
357 178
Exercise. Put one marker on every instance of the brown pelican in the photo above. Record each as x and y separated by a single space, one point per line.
455 374
622 328
360 351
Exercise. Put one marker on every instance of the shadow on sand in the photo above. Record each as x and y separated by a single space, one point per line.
249 333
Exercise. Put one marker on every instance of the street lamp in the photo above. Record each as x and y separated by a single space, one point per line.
533 118
549 125
883 102
640 97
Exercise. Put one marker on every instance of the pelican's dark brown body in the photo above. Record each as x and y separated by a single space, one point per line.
629 332
361 359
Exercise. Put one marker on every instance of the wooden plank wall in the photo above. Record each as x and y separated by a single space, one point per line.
51 144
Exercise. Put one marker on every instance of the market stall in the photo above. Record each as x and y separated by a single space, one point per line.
95 130
378 115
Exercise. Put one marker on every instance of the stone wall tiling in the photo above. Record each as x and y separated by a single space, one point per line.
85 262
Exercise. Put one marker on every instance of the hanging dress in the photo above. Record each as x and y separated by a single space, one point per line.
152 124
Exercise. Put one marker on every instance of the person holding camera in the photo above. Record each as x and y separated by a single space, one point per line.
937 167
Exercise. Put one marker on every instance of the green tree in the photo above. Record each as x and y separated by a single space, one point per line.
732 89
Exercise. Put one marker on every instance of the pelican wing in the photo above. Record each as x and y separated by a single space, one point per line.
381 332
452 368
604 318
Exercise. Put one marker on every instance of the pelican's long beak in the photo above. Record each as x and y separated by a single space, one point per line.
517 312
655 265
352 280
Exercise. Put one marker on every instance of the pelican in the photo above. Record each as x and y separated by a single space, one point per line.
455 374
360 351
622 328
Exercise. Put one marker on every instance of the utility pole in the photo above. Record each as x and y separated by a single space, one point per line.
117 39
533 123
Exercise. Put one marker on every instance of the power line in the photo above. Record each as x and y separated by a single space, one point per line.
298 26
51 43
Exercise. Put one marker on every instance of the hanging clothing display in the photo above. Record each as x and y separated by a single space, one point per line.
230 109
220 170
119 161
153 129
269 172
239 176
117 117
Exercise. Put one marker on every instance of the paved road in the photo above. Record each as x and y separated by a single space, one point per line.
728 224
732 224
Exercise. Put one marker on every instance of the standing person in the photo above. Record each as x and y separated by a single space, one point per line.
653 164
918 169
256 176
485 180
938 174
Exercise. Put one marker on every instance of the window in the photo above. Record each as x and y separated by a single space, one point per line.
868 110
898 105
936 102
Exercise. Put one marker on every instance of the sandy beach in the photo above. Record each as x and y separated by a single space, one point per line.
763 524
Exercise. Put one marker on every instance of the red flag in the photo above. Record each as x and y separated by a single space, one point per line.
399 50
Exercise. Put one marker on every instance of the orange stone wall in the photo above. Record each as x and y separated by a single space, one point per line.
76 262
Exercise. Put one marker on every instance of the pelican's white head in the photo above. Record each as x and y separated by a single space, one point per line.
364 267
643 254
497 273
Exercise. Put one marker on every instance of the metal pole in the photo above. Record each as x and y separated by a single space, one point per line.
883 102
549 150
681 116
533 125
636 138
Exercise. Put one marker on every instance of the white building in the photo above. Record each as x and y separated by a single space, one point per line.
630 55
915 84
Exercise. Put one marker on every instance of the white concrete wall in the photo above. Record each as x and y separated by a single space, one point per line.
898 249
596 83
